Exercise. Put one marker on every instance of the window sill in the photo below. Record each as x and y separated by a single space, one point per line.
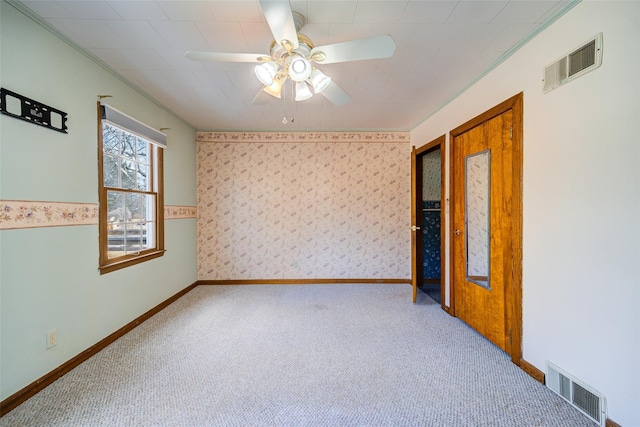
113 266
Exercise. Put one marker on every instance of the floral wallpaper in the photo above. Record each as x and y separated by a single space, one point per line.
431 189
16 214
303 205
431 171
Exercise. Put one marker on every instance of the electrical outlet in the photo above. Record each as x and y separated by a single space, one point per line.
52 338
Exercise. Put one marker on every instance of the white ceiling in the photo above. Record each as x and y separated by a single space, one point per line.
442 46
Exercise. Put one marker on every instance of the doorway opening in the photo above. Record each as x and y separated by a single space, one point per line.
427 213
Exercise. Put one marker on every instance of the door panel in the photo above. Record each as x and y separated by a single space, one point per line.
417 184
482 304
414 235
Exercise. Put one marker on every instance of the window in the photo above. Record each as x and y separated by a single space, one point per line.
131 200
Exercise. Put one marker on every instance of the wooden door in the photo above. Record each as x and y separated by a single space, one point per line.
414 226
488 299
417 244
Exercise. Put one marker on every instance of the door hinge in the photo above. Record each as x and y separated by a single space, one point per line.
510 336
511 133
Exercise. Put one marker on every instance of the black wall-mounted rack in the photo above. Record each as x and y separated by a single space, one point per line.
33 111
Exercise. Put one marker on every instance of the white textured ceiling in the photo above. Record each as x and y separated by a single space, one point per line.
442 46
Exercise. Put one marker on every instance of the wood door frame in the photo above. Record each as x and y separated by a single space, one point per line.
416 207
513 298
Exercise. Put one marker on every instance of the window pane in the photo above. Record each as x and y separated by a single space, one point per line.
116 243
116 212
143 181
136 228
129 146
131 223
110 171
150 224
149 201
143 151
129 168
111 140
129 175
134 241
133 202
116 223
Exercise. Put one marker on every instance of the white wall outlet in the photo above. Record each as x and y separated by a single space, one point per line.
52 338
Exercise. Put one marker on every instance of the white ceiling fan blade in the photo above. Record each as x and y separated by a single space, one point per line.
280 19
336 95
224 57
357 50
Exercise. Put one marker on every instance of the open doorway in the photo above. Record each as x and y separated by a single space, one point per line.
427 213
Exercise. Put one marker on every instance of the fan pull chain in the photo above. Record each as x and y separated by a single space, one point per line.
293 105
284 103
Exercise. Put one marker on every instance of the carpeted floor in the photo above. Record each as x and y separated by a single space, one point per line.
286 355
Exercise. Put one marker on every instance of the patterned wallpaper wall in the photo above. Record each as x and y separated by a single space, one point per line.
431 171
303 205
431 190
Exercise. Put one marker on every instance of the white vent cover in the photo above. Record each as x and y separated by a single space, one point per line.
587 400
580 61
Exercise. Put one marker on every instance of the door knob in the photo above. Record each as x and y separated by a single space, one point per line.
414 228
457 232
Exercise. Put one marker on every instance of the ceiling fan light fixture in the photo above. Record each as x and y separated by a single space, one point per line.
274 89
266 72
302 91
299 68
319 80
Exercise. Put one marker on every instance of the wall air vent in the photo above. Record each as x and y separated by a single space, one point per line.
580 61
587 400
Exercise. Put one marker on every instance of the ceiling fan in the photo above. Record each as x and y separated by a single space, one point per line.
292 56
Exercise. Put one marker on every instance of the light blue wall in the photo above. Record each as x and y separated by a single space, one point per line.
49 276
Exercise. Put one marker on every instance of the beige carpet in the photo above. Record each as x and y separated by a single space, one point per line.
294 355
